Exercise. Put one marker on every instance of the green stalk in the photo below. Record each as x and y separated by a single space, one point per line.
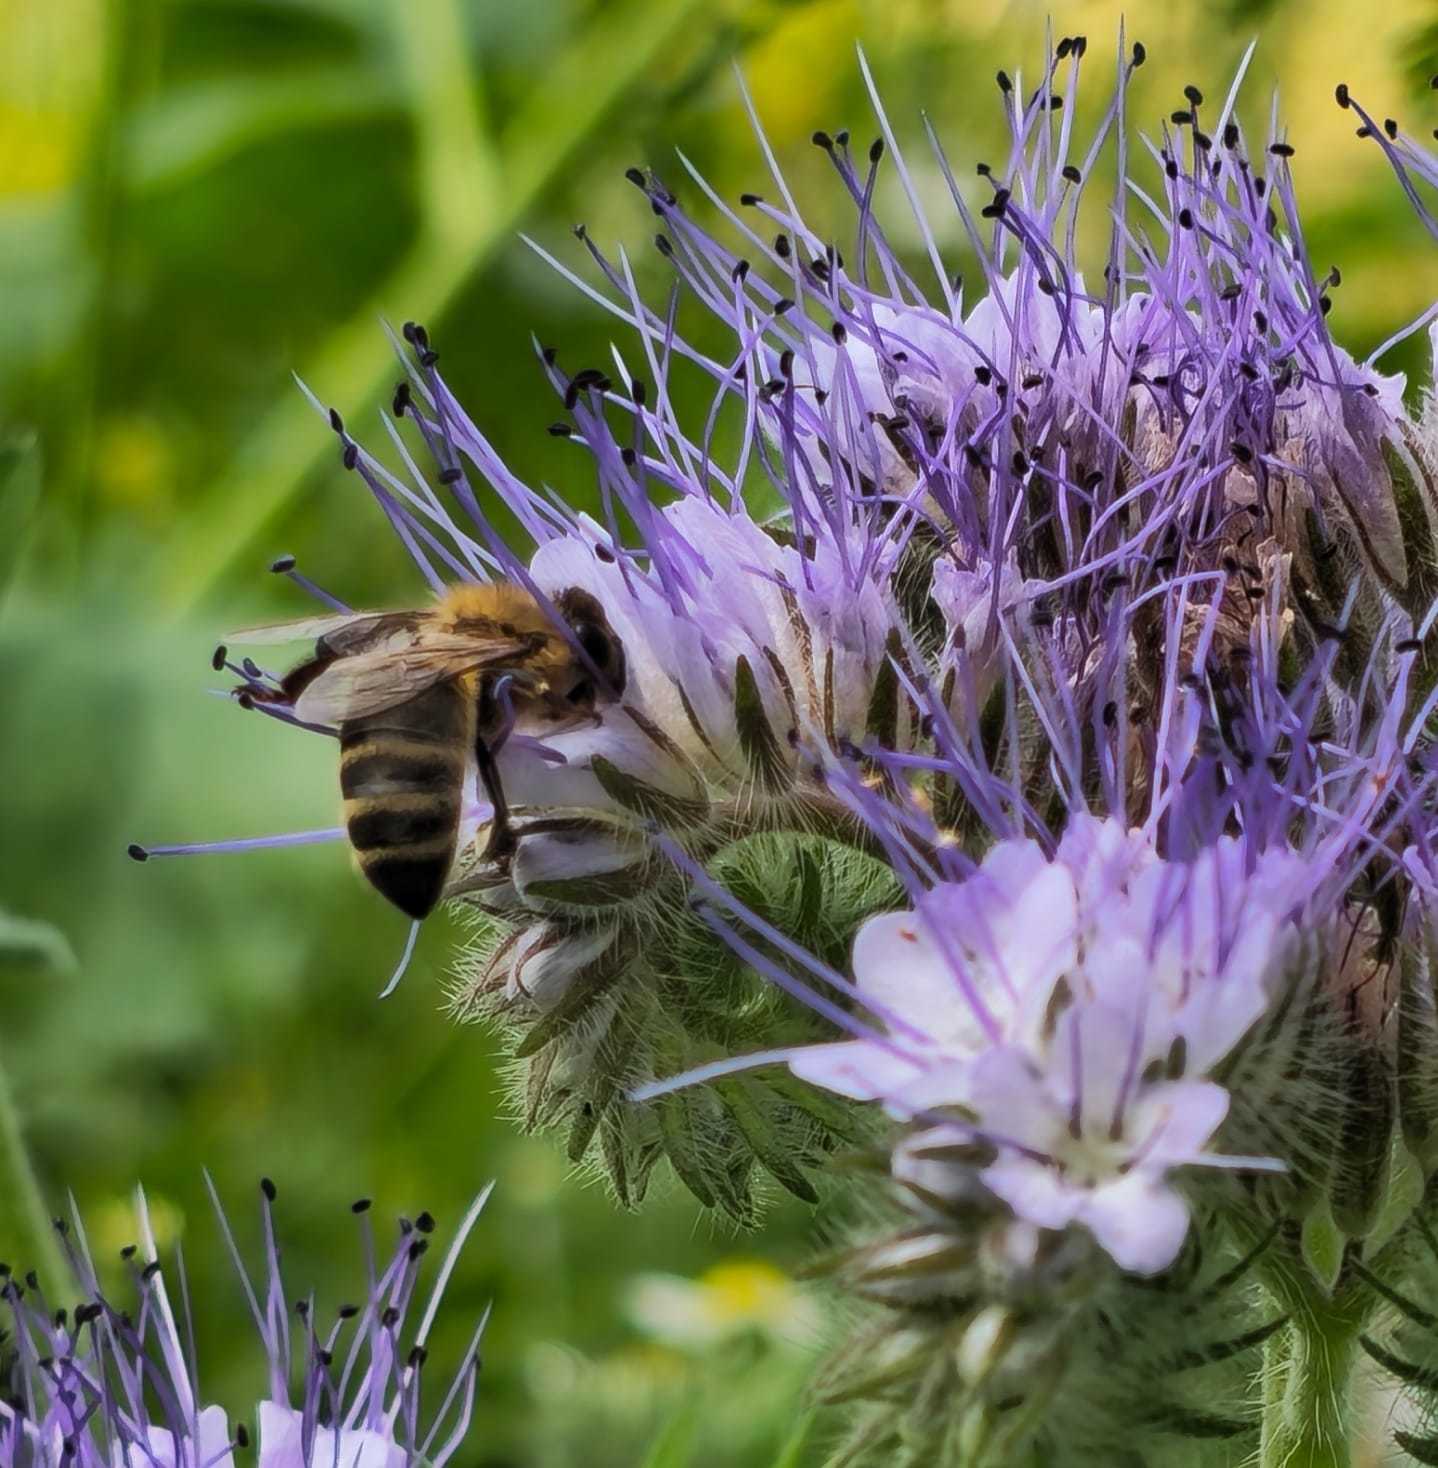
26 1239
474 202
1308 1412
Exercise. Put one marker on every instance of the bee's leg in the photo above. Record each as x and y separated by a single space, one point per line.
501 845
496 719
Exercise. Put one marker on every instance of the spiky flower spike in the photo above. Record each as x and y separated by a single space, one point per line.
1160 996
1125 1053
1095 631
100 1386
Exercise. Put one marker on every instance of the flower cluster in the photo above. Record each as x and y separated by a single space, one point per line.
1077 699
99 1385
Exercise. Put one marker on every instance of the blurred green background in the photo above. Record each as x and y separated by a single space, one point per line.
200 197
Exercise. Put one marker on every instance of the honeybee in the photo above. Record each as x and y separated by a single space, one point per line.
415 695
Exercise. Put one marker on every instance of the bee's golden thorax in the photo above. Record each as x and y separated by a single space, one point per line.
499 608
489 602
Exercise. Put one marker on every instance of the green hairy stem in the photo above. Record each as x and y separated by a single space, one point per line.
1308 1418
1310 1367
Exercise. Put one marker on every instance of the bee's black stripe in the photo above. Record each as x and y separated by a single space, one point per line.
379 825
373 771
414 884
402 775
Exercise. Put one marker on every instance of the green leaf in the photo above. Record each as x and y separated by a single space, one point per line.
1236 1272
682 1147
652 804
674 1447
32 941
196 128
588 985
756 734
19 500
809 885
1364 1149
1423 1378
1323 1244
1424 1449
1400 1302
883 720
1417 504
791 1454
613 1144
1225 1350
597 889
764 1139
587 1117
839 1118
1416 1057
1185 1421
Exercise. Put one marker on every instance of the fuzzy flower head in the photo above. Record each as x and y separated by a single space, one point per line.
1133 537
104 1387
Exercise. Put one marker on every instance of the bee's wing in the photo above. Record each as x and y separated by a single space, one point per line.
385 632
354 686
307 628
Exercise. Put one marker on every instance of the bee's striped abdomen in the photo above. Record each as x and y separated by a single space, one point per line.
402 777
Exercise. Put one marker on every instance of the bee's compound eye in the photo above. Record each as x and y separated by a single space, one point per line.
595 642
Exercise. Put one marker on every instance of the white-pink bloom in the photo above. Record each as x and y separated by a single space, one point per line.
1069 1010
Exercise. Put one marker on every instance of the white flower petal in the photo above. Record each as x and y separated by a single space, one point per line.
281 1443
1140 1222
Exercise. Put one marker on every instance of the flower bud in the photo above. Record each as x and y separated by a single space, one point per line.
579 866
539 965
985 1344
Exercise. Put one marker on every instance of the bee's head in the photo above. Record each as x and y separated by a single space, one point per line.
604 650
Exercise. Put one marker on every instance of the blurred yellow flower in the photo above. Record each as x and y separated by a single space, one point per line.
796 70
52 60
731 1297
134 463
37 150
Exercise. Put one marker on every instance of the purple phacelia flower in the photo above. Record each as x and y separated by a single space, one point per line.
1071 1009
1132 538
1062 743
100 1386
